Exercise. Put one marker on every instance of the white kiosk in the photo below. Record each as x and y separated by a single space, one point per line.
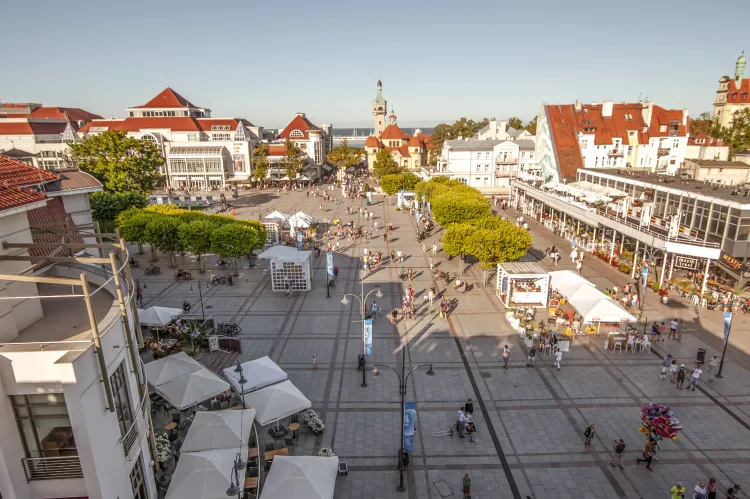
290 269
522 284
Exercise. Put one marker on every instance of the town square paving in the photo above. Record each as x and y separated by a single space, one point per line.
530 420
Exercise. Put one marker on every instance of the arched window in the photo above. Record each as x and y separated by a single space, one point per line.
296 133
150 138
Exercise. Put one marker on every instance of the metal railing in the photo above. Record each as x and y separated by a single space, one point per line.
662 151
139 427
616 152
506 161
52 468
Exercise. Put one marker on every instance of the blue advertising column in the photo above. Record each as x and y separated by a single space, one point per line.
410 417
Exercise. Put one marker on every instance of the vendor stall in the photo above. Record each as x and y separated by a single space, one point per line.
290 269
522 284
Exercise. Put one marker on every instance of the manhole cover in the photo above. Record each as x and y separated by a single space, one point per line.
485 374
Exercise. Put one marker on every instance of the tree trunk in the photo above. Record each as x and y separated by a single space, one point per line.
200 264
484 277
153 253
140 249
236 269
460 264
172 259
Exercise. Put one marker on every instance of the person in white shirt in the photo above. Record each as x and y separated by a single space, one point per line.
695 377
461 422
558 358
574 255
673 329
579 266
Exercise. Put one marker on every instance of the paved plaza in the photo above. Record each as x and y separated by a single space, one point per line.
529 420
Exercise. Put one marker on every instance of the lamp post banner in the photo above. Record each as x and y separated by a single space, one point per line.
368 336
727 325
329 263
410 416
299 241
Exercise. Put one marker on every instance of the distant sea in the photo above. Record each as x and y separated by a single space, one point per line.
365 132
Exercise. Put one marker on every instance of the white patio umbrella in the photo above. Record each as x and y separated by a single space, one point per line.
205 475
259 373
168 368
278 215
158 316
218 430
300 219
567 282
301 477
188 390
276 402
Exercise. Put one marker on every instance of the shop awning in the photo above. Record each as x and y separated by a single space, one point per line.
259 373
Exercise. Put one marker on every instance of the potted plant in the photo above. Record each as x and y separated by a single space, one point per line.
663 292
313 421
326 452
528 339
163 449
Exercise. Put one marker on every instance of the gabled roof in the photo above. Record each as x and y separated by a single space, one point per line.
64 113
28 127
167 98
403 150
734 95
414 142
661 116
18 154
373 141
301 123
393 132
13 197
562 122
17 174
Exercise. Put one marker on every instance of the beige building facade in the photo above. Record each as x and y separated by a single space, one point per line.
733 94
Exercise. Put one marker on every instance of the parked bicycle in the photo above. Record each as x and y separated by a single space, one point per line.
228 329
153 270
183 275
222 262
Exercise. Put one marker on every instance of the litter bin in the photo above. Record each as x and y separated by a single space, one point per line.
701 357
360 362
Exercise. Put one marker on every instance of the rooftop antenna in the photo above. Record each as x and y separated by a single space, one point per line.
167 75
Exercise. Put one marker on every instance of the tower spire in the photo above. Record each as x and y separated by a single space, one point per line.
739 68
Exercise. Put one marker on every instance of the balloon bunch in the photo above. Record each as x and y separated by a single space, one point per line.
659 418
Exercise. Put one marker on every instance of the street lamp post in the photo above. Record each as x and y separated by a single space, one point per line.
402 379
362 302
200 296
241 382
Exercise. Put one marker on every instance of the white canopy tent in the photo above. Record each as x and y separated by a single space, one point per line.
301 477
300 220
276 402
277 215
158 316
218 430
166 369
605 310
205 475
259 373
188 390
593 305
567 282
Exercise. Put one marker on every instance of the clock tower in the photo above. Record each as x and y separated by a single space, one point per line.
379 110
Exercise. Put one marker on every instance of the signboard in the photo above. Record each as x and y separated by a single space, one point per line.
213 343
368 336
685 262
400 201
410 417
644 273
733 263
329 263
299 241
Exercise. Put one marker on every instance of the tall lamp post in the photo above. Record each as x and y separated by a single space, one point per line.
362 302
402 379
200 296
242 382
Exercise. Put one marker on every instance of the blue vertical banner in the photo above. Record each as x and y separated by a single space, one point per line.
644 275
416 215
299 241
400 201
368 336
727 325
329 262
410 418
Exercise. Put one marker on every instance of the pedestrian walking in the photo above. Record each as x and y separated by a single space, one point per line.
662 330
410 273
733 492
394 316
374 310
673 325
699 492
314 363
574 255
648 453
411 294
673 370
695 376
400 256
711 489
434 249
614 292
665 365
431 262
424 248
681 376
713 363
579 266
431 295
466 486
677 491
619 447
139 296
558 358
335 271
506 356
461 422
589 434
469 407
532 356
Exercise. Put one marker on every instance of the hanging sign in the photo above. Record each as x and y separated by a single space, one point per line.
410 417
213 343
685 262
727 325
733 263
368 336
329 263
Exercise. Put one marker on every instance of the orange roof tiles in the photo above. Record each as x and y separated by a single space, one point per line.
277 150
403 150
414 142
64 113
625 118
703 139
13 197
50 216
18 174
134 124
739 95
301 123
562 120
393 132
372 142
167 98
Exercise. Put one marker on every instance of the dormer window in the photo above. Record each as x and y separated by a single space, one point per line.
628 117
296 134
663 128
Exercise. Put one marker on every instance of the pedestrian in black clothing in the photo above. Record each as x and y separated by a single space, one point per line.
469 407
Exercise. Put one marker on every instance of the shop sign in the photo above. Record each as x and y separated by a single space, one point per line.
685 262
733 263
213 343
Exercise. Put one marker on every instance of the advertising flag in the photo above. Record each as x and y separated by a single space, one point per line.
368 336
410 416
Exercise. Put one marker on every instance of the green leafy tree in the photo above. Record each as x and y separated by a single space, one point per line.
463 128
196 238
531 126
132 225
492 246
391 184
294 160
454 242
234 239
515 122
344 157
260 161
105 206
384 164
119 162
456 207
163 233
701 125
737 135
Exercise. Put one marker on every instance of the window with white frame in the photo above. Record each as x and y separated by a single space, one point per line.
479 168
137 480
663 128
221 137
296 134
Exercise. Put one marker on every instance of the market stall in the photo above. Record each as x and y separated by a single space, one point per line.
274 223
522 284
290 269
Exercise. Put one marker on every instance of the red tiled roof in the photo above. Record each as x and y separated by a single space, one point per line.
15 128
562 120
50 216
706 140
277 150
404 150
167 98
661 116
625 117
393 132
372 142
13 197
207 123
414 142
69 113
17 174
135 124
734 96
300 123
426 140
31 128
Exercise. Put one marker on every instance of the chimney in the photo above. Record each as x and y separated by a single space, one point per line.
578 105
607 106
646 110
684 117
301 115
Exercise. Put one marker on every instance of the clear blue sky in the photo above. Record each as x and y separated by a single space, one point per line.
439 60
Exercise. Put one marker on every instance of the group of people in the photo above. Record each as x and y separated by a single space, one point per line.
678 373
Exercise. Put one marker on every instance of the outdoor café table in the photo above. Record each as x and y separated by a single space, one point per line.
269 455
252 452
251 482
293 427
614 338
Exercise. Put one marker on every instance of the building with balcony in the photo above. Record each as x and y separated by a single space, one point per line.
705 147
733 94
310 139
38 135
500 130
170 121
72 389
609 135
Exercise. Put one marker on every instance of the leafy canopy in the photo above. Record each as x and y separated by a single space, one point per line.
106 206
391 184
455 237
162 232
463 128
119 162
234 239
260 160
531 126
458 206
344 157
737 134
294 160
132 224
515 122
196 236
385 165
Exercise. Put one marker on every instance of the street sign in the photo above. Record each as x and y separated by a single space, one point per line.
213 343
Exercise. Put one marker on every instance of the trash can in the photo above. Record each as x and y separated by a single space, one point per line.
701 357
361 362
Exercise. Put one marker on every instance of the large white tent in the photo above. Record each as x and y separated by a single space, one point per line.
276 402
301 477
277 215
606 310
188 390
300 220
158 316
593 305
204 475
218 430
172 367
259 373
567 282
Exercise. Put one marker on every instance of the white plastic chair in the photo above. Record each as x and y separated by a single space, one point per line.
646 346
631 346
547 349
703 303
618 345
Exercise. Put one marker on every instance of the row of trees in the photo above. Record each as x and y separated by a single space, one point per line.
170 229
393 183
344 157
470 226
736 136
